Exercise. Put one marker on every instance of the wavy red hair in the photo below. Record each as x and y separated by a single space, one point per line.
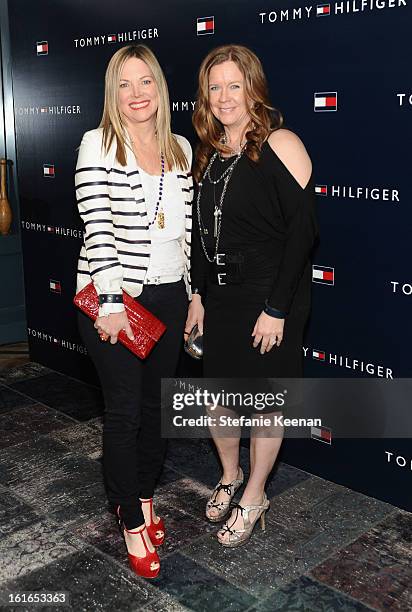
264 118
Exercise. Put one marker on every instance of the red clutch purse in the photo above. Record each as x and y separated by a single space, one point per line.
147 329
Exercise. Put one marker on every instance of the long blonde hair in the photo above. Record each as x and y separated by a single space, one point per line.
111 122
264 118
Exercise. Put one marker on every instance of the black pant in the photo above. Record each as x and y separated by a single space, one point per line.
133 450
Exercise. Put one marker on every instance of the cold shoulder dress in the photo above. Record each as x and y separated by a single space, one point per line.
267 235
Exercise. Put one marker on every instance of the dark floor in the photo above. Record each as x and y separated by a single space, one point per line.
326 548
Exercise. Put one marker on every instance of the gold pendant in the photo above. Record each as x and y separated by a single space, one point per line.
161 219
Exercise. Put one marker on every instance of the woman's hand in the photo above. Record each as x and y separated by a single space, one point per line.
195 315
269 331
110 326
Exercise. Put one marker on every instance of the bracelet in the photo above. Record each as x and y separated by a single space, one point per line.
273 312
196 291
110 298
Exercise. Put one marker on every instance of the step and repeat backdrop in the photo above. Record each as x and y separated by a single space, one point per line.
340 74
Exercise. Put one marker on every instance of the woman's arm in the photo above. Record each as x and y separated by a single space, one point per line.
298 210
297 203
198 271
92 194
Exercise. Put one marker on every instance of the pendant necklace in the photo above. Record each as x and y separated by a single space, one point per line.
159 215
218 210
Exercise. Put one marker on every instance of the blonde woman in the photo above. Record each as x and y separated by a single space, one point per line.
134 195
253 234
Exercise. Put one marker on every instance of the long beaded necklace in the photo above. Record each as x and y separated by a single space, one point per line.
225 177
159 214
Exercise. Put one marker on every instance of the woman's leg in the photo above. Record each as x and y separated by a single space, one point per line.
264 449
120 374
169 304
227 442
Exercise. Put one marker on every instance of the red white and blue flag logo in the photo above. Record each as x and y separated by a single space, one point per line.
205 25
321 190
55 286
42 47
48 170
322 10
325 101
112 38
323 275
318 355
321 434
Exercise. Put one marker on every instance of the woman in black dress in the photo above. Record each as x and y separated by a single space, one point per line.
253 233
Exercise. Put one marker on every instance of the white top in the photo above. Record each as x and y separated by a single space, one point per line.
118 259
166 257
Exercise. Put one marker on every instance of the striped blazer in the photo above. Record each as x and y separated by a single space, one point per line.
116 249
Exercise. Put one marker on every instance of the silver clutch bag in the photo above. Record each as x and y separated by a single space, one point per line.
194 344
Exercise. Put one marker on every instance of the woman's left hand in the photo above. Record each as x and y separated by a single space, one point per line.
268 331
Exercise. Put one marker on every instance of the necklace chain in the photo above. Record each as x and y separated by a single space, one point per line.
228 170
224 141
159 215
226 176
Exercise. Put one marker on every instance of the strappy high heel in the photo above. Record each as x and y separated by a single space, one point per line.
238 537
222 508
147 566
156 531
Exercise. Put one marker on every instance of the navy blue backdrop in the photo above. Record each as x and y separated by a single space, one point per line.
339 72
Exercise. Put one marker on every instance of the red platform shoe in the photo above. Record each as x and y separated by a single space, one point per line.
156 531
147 566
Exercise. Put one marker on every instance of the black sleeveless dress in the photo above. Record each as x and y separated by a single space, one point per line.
268 229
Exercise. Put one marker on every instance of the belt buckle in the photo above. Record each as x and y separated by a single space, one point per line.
219 279
218 256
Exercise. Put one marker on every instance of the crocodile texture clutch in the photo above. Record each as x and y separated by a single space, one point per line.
147 329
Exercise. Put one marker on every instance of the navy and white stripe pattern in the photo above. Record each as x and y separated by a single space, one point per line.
110 198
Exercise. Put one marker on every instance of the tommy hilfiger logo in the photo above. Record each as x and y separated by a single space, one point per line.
116 37
42 47
56 230
60 343
322 10
72 109
386 194
48 170
344 361
55 286
321 190
340 7
325 101
205 25
321 434
323 275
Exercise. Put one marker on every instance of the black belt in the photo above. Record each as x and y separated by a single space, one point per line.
227 269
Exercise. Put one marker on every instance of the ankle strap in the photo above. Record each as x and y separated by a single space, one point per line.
137 531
